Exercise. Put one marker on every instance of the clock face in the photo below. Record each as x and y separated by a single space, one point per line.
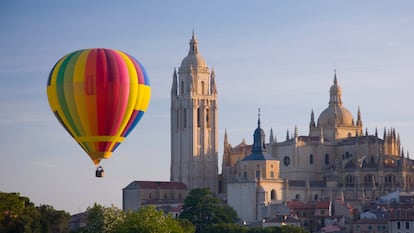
286 160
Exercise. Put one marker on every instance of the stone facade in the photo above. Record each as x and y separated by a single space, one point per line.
162 194
194 123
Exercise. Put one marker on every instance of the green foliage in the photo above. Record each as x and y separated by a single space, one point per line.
149 220
225 228
52 220
202 208
19 215
103 219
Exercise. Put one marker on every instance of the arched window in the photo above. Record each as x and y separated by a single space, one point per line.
368 178
245 174
185 118
208 118
273 195
198 118
258 174
315 197
297 196
311 159
326 159
202 87
349 179
177 119
389 179
272 174
182 88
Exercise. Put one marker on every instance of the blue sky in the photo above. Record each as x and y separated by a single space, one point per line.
278 56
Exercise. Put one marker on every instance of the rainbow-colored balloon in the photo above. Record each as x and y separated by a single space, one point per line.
98 95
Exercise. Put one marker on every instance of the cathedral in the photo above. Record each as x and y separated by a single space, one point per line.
336 160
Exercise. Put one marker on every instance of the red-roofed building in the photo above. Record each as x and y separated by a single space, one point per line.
370 225
164 195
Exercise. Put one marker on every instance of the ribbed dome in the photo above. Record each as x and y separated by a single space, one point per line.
335 114
193 58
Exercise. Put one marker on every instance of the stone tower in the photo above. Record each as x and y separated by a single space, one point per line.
194 126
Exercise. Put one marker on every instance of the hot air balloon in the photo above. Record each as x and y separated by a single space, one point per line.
98 95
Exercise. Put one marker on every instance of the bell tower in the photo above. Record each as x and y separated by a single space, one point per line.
194 136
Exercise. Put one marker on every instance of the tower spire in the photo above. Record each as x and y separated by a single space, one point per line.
335 93
258 138
193 45
213 82
174 86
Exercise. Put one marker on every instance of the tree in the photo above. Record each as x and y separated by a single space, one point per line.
202 208
103 219
149 220
53 221
19 214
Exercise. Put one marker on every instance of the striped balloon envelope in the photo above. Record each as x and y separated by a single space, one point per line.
98 95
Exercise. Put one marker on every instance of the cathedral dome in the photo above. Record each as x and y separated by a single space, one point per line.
335 113
193 58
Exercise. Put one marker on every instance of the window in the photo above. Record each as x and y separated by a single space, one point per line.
273 195
398 225
165 196
149 196
182 88
326 159
185 118
178 119
207 118
272 174
389 179
315 197
311 159
245 175
407 225
258 174
198 118
297 196
368 179
202 87
349 179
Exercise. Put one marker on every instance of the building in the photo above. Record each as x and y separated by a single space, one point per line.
162 194
370 225
401 221
335 160
258 180
194 125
